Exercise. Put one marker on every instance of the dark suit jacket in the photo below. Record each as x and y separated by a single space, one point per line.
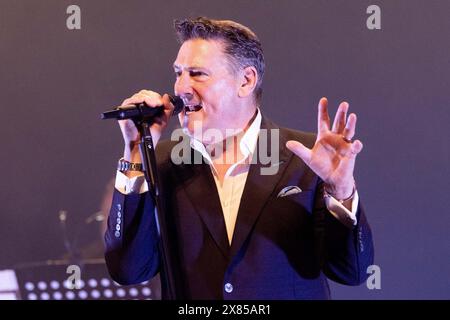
282 247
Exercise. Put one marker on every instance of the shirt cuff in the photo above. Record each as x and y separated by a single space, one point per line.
127 185
341 213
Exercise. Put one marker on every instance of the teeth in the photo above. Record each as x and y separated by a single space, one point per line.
192 108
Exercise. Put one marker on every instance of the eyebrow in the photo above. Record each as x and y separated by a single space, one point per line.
177 67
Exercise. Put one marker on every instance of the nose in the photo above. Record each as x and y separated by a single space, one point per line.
183 86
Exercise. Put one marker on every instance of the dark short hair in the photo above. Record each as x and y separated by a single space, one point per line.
241 44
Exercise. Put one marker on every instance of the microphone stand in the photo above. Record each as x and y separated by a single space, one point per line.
71 246
147 152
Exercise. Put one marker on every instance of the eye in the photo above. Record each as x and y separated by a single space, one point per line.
195 73
177 73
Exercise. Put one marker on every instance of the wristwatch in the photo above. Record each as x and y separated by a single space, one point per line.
124 165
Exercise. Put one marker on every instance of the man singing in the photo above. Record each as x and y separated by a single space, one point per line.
240 227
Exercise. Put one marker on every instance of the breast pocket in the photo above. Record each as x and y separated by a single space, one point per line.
302 201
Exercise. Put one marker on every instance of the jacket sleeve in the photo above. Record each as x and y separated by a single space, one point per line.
346 252
131 239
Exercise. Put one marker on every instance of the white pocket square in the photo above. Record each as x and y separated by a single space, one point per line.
287 191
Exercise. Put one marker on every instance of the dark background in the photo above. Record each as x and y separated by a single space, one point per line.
57 154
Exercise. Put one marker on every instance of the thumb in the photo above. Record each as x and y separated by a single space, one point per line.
168 106
300 150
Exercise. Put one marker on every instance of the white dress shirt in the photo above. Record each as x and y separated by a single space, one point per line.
230 190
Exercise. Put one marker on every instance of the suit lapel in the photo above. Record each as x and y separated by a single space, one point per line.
259 187
201 189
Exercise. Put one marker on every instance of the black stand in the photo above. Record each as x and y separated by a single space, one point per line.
151 176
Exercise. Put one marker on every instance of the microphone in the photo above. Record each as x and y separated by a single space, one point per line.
142 111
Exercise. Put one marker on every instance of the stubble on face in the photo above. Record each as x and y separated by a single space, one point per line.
204 77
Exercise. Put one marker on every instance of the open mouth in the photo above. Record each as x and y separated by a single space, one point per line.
188 109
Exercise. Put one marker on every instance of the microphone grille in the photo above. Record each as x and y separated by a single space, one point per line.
177 103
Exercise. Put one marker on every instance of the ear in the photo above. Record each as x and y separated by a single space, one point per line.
248 83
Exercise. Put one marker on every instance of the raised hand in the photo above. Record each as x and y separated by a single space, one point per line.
333 155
